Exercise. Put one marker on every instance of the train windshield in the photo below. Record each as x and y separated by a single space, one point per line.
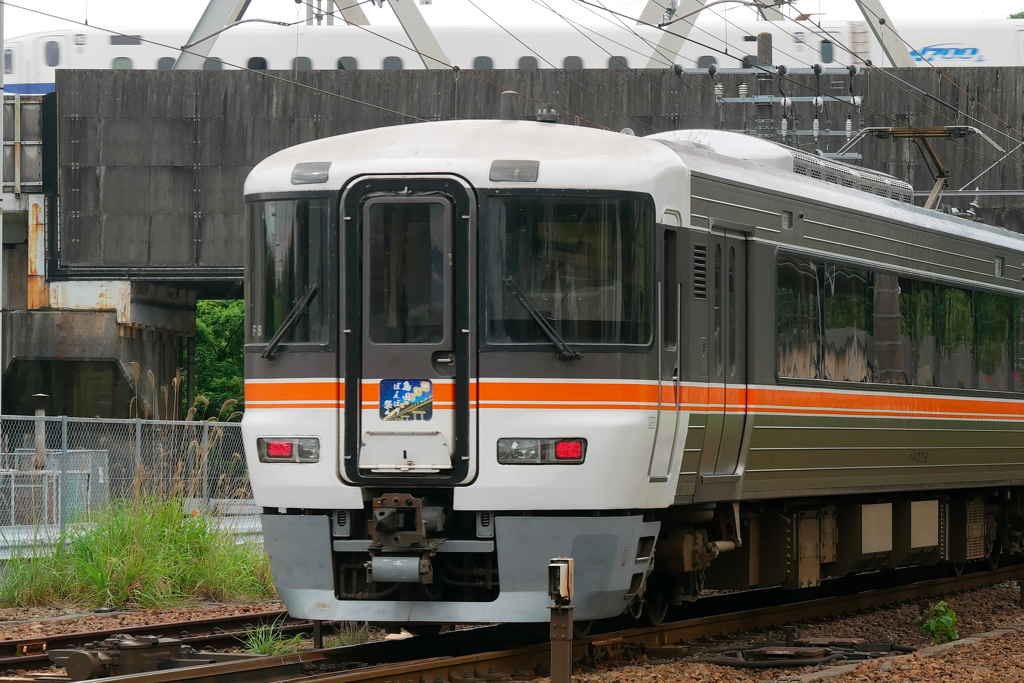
288 254
584 263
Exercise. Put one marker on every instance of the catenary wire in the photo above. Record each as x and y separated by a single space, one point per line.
669 64
260 72
954 83
908 88
759 67
650 82
545 60
469 73
907 84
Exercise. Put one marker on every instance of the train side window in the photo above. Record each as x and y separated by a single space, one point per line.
954 336
917 332
8 61
732 311
392 64
302 64
52 53
670 312
256 64
827 52
483 63
716 332
572 62
706 61
797 322
212 64
528 62
618 63
348 64
165 63
996 321
847 299
121 63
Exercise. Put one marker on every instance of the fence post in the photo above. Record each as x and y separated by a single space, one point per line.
203 466
138 456
63 472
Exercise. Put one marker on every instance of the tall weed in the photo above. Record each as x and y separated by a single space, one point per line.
138 553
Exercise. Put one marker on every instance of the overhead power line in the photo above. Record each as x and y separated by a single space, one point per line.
260 72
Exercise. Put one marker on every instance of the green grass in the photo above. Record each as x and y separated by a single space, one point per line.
348 633
145 553
268 639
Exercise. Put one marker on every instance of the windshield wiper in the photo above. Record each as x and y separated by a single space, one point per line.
564 350
289 322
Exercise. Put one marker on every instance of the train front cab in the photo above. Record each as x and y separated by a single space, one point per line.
421 445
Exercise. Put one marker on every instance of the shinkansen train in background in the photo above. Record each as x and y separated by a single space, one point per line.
473 346
30 61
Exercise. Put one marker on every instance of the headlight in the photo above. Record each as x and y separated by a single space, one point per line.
288 449
541 451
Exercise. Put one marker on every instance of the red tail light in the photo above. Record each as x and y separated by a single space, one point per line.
569 450
279 449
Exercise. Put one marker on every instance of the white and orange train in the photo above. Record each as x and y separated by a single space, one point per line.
477 345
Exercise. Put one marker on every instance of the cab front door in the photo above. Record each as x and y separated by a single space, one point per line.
409 331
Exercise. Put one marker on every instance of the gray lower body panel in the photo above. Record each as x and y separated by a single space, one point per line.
604 550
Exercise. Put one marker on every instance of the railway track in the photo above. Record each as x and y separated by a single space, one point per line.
216 632
468 656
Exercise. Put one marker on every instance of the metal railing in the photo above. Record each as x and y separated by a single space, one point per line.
56 471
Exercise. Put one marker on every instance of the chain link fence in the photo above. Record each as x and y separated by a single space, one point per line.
56 471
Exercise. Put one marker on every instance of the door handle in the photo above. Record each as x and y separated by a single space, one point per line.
445 360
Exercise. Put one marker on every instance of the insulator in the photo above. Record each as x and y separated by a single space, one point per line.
849 128
814 128
785 126
819 102
743 89
857 99
787 103
719 90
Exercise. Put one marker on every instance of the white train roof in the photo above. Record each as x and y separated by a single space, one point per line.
569 156
575 157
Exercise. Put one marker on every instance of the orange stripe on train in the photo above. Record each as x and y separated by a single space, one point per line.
644 396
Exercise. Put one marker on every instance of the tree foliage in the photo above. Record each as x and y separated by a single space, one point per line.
220 335
1017 15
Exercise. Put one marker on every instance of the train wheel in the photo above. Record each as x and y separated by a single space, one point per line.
427 629
581 629
994 555
656 601
656 609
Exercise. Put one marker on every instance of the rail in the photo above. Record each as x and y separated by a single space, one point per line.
465 655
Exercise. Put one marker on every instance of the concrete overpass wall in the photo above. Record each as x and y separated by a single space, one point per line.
152 162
